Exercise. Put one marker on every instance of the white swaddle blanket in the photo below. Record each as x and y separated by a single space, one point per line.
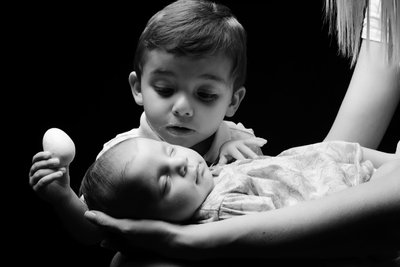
297 174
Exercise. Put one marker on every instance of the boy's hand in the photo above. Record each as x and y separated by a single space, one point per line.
48 179
239 149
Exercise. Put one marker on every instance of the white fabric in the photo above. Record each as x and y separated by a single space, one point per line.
297 174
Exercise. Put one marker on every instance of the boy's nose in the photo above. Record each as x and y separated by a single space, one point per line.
182 107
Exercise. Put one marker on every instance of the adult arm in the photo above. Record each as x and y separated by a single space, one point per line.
357 222
71 213
52 184
370 100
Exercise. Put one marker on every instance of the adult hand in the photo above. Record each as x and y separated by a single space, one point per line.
48 178
129 236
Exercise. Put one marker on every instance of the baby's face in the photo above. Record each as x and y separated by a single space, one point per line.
185 99
177 177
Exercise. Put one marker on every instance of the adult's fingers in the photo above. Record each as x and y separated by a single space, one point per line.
120 226
42 155
51 163
46 180
103 220
141 233
45 174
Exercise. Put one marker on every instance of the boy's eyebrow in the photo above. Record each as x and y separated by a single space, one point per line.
162 72
206 76
209 76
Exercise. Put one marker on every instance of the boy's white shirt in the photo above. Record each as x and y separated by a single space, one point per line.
227 131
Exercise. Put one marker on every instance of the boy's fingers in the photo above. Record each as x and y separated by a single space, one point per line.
222 159
247 152
236 154
256 141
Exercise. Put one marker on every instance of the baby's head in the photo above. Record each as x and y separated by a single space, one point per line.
195 29
142 178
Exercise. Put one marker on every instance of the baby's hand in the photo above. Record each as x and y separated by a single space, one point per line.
47 178
239 149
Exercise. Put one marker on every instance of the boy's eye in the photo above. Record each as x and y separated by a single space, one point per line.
164 91
207 97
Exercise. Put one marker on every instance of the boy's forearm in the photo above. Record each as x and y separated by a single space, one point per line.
71 212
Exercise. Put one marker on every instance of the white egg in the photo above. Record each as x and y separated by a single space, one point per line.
60 144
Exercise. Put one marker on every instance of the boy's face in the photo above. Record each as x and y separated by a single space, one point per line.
177 178
186 99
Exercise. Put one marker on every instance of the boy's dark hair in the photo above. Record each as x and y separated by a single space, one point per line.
195 28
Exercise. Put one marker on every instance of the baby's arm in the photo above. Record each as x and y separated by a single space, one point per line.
52 184
239 149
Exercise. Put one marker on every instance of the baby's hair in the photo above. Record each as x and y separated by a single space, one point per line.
195 28
104 188
349 16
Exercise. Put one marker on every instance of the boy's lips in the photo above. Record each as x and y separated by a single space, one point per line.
179 130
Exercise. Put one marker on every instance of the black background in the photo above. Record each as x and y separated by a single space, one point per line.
68 67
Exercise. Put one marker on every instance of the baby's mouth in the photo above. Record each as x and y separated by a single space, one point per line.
199 172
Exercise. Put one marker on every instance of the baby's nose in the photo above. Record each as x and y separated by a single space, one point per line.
180 166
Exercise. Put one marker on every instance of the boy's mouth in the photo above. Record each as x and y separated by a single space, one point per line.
178 130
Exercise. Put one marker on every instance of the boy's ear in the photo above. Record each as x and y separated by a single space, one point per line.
135 88
237 97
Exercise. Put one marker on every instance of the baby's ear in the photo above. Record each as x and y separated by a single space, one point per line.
135 88
237 98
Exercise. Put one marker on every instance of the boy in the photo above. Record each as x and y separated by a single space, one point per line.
147 179
191 66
